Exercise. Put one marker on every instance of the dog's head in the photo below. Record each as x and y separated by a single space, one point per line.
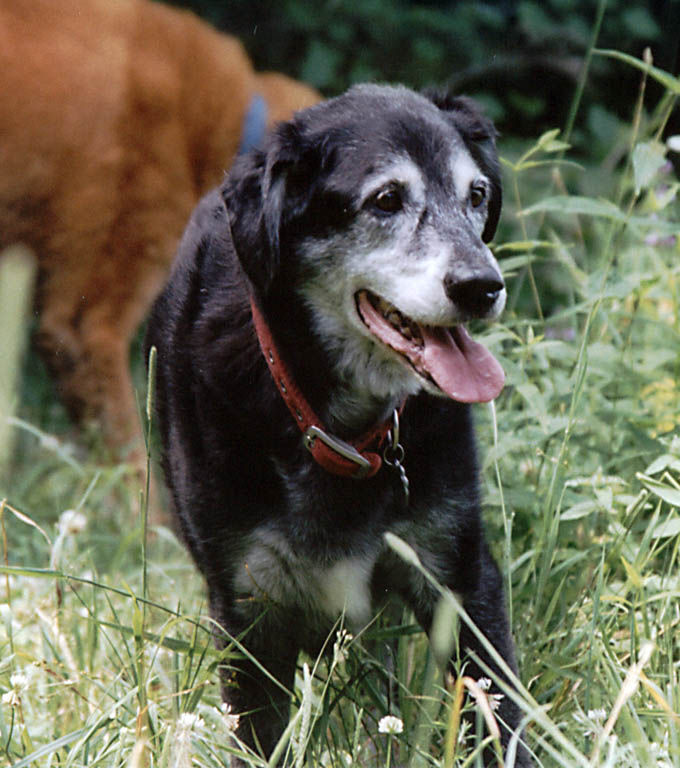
374 209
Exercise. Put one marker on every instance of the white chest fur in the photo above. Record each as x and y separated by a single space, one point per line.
345 587
271 570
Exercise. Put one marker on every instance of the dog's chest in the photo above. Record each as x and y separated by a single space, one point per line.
271 571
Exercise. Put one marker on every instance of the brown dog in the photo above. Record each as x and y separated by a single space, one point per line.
115 117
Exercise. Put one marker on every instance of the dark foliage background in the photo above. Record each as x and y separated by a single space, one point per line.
521 57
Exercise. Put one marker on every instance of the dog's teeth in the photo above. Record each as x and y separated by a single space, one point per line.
406 327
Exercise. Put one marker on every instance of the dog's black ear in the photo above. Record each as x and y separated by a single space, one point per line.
253 198
263 191
479 134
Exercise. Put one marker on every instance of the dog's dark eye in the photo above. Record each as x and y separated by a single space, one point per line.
388 200
477 195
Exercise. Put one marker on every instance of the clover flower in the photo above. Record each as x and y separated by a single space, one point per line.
231 720
72 522
187 724
391 725
189 721
18 681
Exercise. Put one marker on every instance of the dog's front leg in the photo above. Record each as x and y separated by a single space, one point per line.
485 605
256 684
478 583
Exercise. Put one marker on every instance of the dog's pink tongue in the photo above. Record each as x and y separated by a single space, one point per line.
463 369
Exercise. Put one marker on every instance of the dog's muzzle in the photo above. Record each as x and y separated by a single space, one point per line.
475 297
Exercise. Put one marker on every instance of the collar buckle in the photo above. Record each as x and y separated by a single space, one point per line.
358 459
347 451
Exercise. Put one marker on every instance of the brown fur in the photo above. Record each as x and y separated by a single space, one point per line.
115 117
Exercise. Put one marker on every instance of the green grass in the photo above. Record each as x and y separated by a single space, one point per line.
106 656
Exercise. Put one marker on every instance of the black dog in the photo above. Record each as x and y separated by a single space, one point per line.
354 244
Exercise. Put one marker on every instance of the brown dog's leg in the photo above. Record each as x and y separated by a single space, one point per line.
86 326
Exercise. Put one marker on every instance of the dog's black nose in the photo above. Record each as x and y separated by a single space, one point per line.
476 296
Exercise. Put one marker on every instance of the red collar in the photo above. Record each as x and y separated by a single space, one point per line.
357 458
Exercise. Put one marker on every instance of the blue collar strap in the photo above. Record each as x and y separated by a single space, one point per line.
254 124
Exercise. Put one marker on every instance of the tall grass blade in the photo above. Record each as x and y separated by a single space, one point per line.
17 270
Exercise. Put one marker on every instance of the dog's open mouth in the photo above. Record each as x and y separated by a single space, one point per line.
462 368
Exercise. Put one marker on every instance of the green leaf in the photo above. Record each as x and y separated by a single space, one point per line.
48 749
137 621
633 576
667 529
648 158
640 24
321 65
523 245
443 631
665 492
576 205
666 461
669 82
582 509
549 142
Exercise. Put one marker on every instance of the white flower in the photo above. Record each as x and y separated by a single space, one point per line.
11 698
18 680
343 640
72 522
231 720
592 722
597 715
390 724
189 721
494 699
